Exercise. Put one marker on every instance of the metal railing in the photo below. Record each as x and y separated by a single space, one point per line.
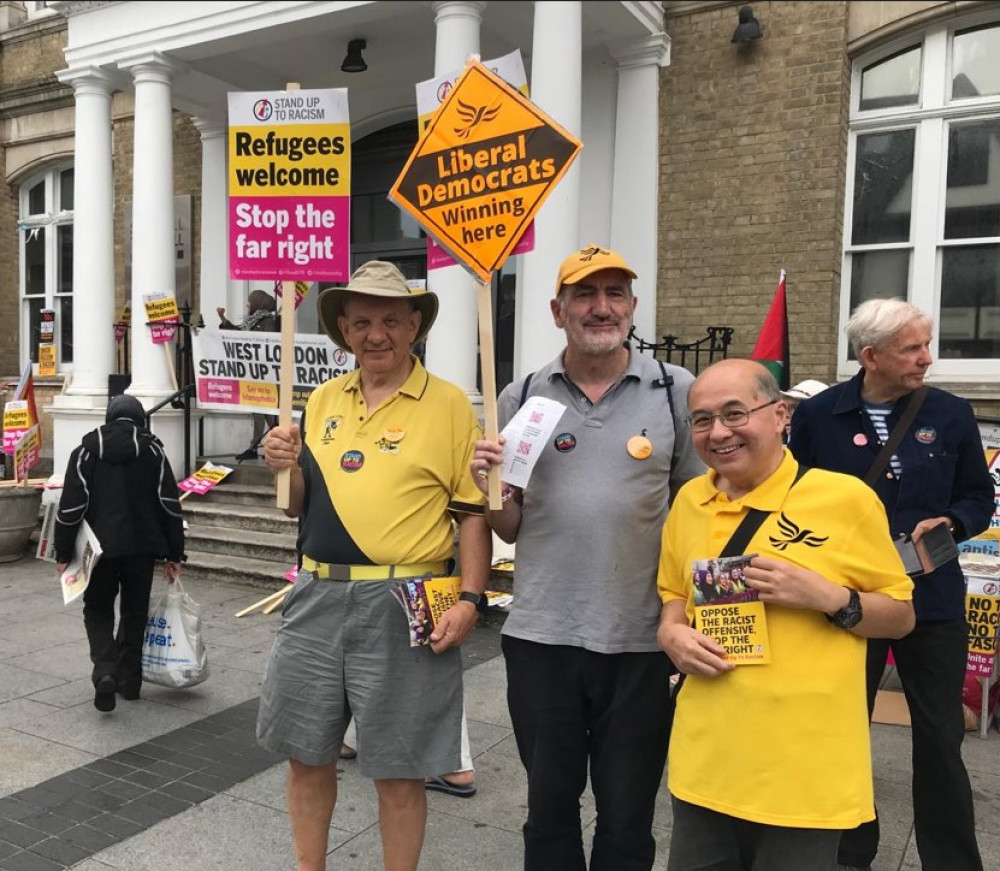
703 352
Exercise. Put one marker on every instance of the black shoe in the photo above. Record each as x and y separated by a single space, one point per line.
104 693
248 454
129 695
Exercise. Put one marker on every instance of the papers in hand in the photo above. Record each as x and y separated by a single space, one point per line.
526 435
424 601
729 611
76 575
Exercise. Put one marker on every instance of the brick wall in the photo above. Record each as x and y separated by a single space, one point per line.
752 155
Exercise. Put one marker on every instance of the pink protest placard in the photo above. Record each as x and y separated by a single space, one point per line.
289 185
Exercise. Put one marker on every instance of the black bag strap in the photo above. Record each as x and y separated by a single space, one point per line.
740 539
524 388
896 436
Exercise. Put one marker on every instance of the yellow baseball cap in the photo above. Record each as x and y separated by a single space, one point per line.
588 260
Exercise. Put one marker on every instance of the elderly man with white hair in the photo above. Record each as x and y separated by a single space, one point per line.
919 448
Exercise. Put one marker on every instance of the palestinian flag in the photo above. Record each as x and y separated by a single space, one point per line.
772 343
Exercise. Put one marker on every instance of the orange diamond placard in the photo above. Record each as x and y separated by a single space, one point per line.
482 169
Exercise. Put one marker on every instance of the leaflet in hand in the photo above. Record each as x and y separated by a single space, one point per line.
424 600
728 610
527 433
76 575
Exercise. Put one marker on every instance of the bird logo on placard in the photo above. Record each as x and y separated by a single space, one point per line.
474 116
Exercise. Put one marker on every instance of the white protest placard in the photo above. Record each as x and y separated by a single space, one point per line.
239 371
526 435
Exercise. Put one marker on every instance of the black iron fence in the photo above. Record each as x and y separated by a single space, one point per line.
693 356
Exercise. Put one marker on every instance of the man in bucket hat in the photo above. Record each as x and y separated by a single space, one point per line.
587 686
379 467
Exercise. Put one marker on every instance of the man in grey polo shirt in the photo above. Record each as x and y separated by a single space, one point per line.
587 685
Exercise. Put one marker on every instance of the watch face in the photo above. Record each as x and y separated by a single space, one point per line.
850 615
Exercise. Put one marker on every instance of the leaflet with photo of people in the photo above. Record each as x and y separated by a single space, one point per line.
728 610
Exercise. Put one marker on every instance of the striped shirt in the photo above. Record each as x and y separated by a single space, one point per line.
879 413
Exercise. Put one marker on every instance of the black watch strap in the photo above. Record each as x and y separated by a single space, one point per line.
477 599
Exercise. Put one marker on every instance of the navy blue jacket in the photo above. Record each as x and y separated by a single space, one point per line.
944 472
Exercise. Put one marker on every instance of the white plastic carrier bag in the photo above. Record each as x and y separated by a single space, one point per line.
173 651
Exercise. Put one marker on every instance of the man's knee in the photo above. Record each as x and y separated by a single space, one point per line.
401 793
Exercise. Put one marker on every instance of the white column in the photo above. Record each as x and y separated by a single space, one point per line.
82 406
453 344
153 251
214 273
556 72
635 189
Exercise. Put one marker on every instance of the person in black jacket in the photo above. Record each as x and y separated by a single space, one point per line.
120 481
936 476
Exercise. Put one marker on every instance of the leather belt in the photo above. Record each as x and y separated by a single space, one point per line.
338 572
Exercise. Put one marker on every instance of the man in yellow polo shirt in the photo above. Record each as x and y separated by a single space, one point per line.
775 794
379 469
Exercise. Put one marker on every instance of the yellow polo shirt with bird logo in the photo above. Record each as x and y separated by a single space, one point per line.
784 743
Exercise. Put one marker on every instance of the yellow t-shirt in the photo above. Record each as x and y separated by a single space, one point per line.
382 484
787 743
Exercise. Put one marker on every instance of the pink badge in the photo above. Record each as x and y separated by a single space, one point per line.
861 440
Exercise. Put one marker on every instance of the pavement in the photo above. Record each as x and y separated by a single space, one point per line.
176 780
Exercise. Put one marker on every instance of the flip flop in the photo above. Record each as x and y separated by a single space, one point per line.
439 784
349 753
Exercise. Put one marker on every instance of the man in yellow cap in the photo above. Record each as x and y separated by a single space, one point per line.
588 687
379 469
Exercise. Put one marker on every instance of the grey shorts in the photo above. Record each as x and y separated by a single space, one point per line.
343 648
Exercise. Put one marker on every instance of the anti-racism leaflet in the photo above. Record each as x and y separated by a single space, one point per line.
239 371
482 169
204 479
982 607
289 185
46 361
431 94
729 611
162 315
526 435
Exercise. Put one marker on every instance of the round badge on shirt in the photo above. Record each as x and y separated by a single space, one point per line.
564 442
639 447
860 439
352 461
926 435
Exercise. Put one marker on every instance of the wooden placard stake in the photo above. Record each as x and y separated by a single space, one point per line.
485 305
170 364
283 480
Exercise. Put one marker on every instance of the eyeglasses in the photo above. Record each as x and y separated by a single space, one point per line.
733 418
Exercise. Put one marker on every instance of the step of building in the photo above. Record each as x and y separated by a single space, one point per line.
264 574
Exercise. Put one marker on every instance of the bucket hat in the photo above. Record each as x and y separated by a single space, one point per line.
588 260
804 390
375 278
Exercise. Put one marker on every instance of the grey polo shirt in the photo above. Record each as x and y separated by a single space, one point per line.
589 541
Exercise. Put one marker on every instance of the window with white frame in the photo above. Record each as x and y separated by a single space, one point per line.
46 248
922 216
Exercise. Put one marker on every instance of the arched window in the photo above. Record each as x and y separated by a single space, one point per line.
922 212
46 256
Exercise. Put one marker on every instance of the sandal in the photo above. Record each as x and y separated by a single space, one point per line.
347 752
459 790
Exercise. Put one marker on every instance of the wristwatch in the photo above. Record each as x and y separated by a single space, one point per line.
478 599
850 615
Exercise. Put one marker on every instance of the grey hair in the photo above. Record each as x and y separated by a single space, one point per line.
767 386
873 323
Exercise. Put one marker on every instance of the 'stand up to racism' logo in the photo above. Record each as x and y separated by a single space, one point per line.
444 89
262 110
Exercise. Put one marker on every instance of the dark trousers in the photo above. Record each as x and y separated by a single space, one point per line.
570 707
120 653
931 663
705 840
